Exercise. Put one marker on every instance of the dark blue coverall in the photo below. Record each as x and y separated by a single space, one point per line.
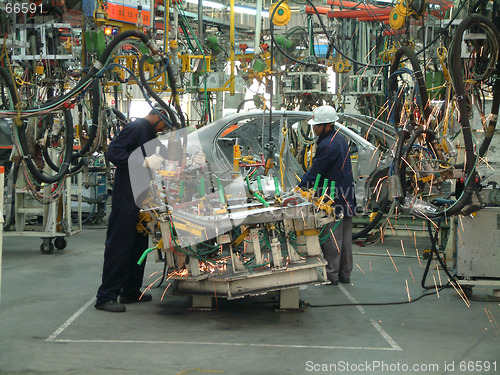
332 161
124 245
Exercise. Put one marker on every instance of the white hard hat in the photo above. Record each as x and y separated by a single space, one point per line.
323 115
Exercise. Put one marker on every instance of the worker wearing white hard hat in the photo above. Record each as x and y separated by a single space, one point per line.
332 161
323 115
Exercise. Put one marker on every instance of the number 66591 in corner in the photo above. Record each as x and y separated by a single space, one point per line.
22 8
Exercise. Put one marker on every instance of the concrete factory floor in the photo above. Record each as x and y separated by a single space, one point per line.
48 324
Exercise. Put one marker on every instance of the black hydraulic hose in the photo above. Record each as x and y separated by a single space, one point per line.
490 130
154 95
403 135
417 133
96 113
367 228
173 87
434 250
48 160
115 127
332 45
63 169
23 142
394 100
242 103
459 85
78 166
401 168
45 151
424 96
38 175
12 215
120 115
122 36
99 64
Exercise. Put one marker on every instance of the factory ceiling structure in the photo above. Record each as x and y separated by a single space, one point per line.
236 239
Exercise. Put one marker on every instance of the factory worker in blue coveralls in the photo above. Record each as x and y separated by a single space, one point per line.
332 161
121 275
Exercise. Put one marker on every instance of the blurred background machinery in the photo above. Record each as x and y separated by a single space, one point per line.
416 84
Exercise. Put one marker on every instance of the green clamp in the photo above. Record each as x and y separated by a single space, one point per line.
260 199
248 185
222 198
276 186
201 188
325 186
259 183
316 183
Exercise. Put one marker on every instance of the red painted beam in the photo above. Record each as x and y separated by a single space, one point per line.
359 13
321 10
351 4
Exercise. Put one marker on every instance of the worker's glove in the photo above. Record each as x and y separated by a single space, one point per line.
199 158
153 162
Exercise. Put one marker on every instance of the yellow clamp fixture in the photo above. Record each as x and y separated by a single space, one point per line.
396 20
282 14
341 66
442 52
388 54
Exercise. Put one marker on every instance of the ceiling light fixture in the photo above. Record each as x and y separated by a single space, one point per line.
208 4
237 8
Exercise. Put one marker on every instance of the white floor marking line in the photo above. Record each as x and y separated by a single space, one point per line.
73 317
352 299
66 324
222 344
386 336
377 326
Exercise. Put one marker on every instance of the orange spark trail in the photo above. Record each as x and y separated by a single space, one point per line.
360 269
413 277
392 260
407 290
461 222
163 295
437 290
149 286
418 257
491 319
439 275
460 293
408 229
366 57
336 244
374 152
460 286
154 273
394 233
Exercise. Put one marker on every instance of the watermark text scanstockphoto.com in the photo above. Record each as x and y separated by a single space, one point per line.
480 367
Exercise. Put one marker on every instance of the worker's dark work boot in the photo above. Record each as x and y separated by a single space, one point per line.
333 279
146 297
111 306
344 280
